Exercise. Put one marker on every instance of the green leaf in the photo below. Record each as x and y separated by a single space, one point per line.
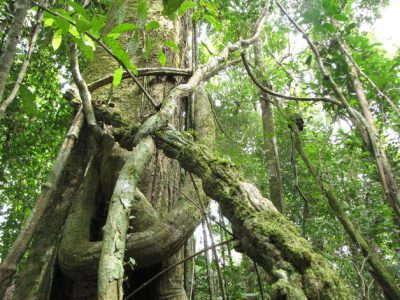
210 8
331 7
120 53
83 25
72 30
152 26
124 27
148 48
97 26
65 14
62 24
86 49
308 60
142 13
172 45
197 15
48 22
170 7
88 41
341 17
78 8
28 101
117 77
329 27
57 38
312 15
350 27
185 6
213 21
162 58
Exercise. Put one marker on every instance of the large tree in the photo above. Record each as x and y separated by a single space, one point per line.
139 164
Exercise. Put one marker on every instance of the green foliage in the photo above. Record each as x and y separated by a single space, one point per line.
117 77
33 128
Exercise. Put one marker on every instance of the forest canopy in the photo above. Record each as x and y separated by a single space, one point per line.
204 149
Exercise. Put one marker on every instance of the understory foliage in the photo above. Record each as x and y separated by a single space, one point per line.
34 125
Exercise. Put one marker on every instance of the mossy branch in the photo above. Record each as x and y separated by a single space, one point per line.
264 234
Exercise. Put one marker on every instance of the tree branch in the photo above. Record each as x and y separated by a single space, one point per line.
268 91
8 265
102 45
362 73
220 124
380 272
327 76
264 234
142 72
85 95
169 104
25 64
111 270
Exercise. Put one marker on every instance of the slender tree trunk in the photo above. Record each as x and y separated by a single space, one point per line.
36 30
50 189
211 289
259 282
7 57
389 184
379 271
361 123
270 142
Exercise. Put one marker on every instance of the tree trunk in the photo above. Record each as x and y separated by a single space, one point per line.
389 184
161 222
7 57
379 271
270 143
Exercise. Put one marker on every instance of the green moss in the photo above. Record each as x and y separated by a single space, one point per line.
282 289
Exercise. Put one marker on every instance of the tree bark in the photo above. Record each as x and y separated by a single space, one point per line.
36 30
50 189
270 143
35 280
264 234
111 270
7 57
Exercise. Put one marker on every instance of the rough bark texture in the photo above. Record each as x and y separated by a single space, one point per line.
164 222
264 234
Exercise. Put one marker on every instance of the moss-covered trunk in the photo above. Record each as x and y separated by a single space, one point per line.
63 259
